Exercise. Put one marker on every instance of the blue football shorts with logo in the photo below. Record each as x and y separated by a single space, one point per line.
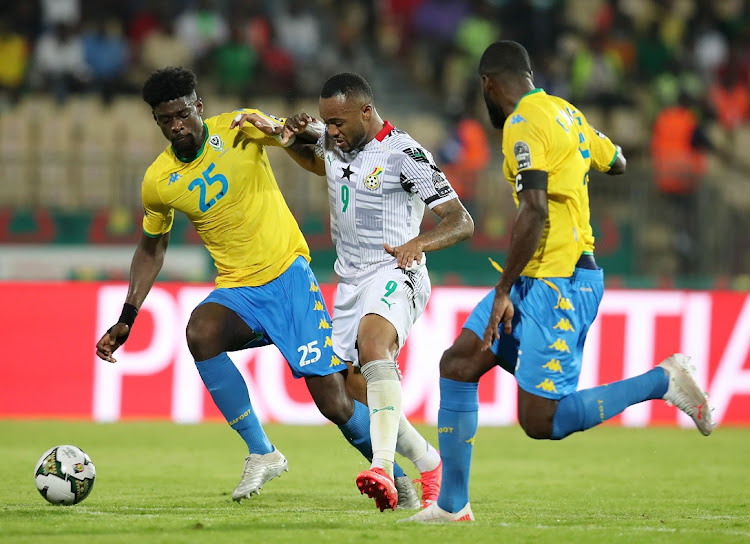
290 313
550 324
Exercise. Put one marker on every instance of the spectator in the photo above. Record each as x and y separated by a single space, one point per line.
106 54
234 65
14 50
597 75
202 29
679 147
464 155
59 62
162 47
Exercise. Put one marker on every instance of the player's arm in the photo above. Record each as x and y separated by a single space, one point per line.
528 228
145 266
455 226
298 135
605 155
307 147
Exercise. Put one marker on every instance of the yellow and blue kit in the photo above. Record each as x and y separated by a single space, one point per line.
555 302
229 193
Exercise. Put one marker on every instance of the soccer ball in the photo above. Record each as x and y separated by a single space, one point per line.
64 475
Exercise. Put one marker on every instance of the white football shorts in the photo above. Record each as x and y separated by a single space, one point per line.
396 295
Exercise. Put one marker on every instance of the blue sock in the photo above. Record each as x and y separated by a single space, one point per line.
457 425
229 391
357 432
585 409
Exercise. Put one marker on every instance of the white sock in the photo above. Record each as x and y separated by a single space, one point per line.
384 400
415 447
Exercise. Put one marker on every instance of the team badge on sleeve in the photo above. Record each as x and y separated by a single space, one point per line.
523 154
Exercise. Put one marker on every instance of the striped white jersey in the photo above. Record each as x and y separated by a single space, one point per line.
377 194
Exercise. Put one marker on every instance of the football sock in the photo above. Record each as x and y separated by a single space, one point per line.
384 399
457 425
357 432
229 391
415 447
590 407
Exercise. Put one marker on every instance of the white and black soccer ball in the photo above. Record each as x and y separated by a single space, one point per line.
64 475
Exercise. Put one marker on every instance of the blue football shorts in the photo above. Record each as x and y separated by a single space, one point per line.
290 313
550 324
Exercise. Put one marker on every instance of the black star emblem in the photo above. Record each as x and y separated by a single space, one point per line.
347 172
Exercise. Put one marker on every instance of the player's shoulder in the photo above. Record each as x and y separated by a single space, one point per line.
161 166
404 144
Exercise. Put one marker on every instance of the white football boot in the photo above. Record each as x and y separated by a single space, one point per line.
684 392
434 514
258 470
407 494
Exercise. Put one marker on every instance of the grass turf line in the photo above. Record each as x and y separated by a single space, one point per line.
161 482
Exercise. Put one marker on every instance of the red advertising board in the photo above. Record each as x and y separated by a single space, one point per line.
48 368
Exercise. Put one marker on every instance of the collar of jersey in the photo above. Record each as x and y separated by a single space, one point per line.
532 91
203 146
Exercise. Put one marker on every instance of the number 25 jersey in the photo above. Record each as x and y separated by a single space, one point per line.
229 193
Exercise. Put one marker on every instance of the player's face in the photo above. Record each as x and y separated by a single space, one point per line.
181 123
497 116
345 121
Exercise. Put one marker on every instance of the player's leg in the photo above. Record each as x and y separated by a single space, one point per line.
461 367
356 387
215 328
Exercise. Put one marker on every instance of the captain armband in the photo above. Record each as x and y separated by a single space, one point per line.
531 179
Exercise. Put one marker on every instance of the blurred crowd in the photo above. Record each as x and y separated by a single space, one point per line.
667 79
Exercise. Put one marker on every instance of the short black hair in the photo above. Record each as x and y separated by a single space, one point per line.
167 84
347 84
505 57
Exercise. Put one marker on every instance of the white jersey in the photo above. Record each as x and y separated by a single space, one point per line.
377 195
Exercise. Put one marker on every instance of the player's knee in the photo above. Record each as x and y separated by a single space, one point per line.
536 428
456 367
337 409
202 340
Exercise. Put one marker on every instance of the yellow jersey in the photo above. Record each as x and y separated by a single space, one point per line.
229 193
547 133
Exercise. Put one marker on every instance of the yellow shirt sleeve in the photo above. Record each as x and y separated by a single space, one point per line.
157 216
254 133
603 151
525 144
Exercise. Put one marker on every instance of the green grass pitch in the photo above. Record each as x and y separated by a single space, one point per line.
162 482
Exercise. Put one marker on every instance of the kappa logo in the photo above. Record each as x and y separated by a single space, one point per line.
323 324
174 176
553 365
318 306
372 181
516 119
564 325
328 343
564 304
560 345
548 386
216 142
335 361
314 288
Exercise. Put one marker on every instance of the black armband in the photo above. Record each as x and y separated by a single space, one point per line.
128 315
531 179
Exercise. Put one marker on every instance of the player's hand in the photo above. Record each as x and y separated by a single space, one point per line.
409 255
302 124
502 312
265 125
112 339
